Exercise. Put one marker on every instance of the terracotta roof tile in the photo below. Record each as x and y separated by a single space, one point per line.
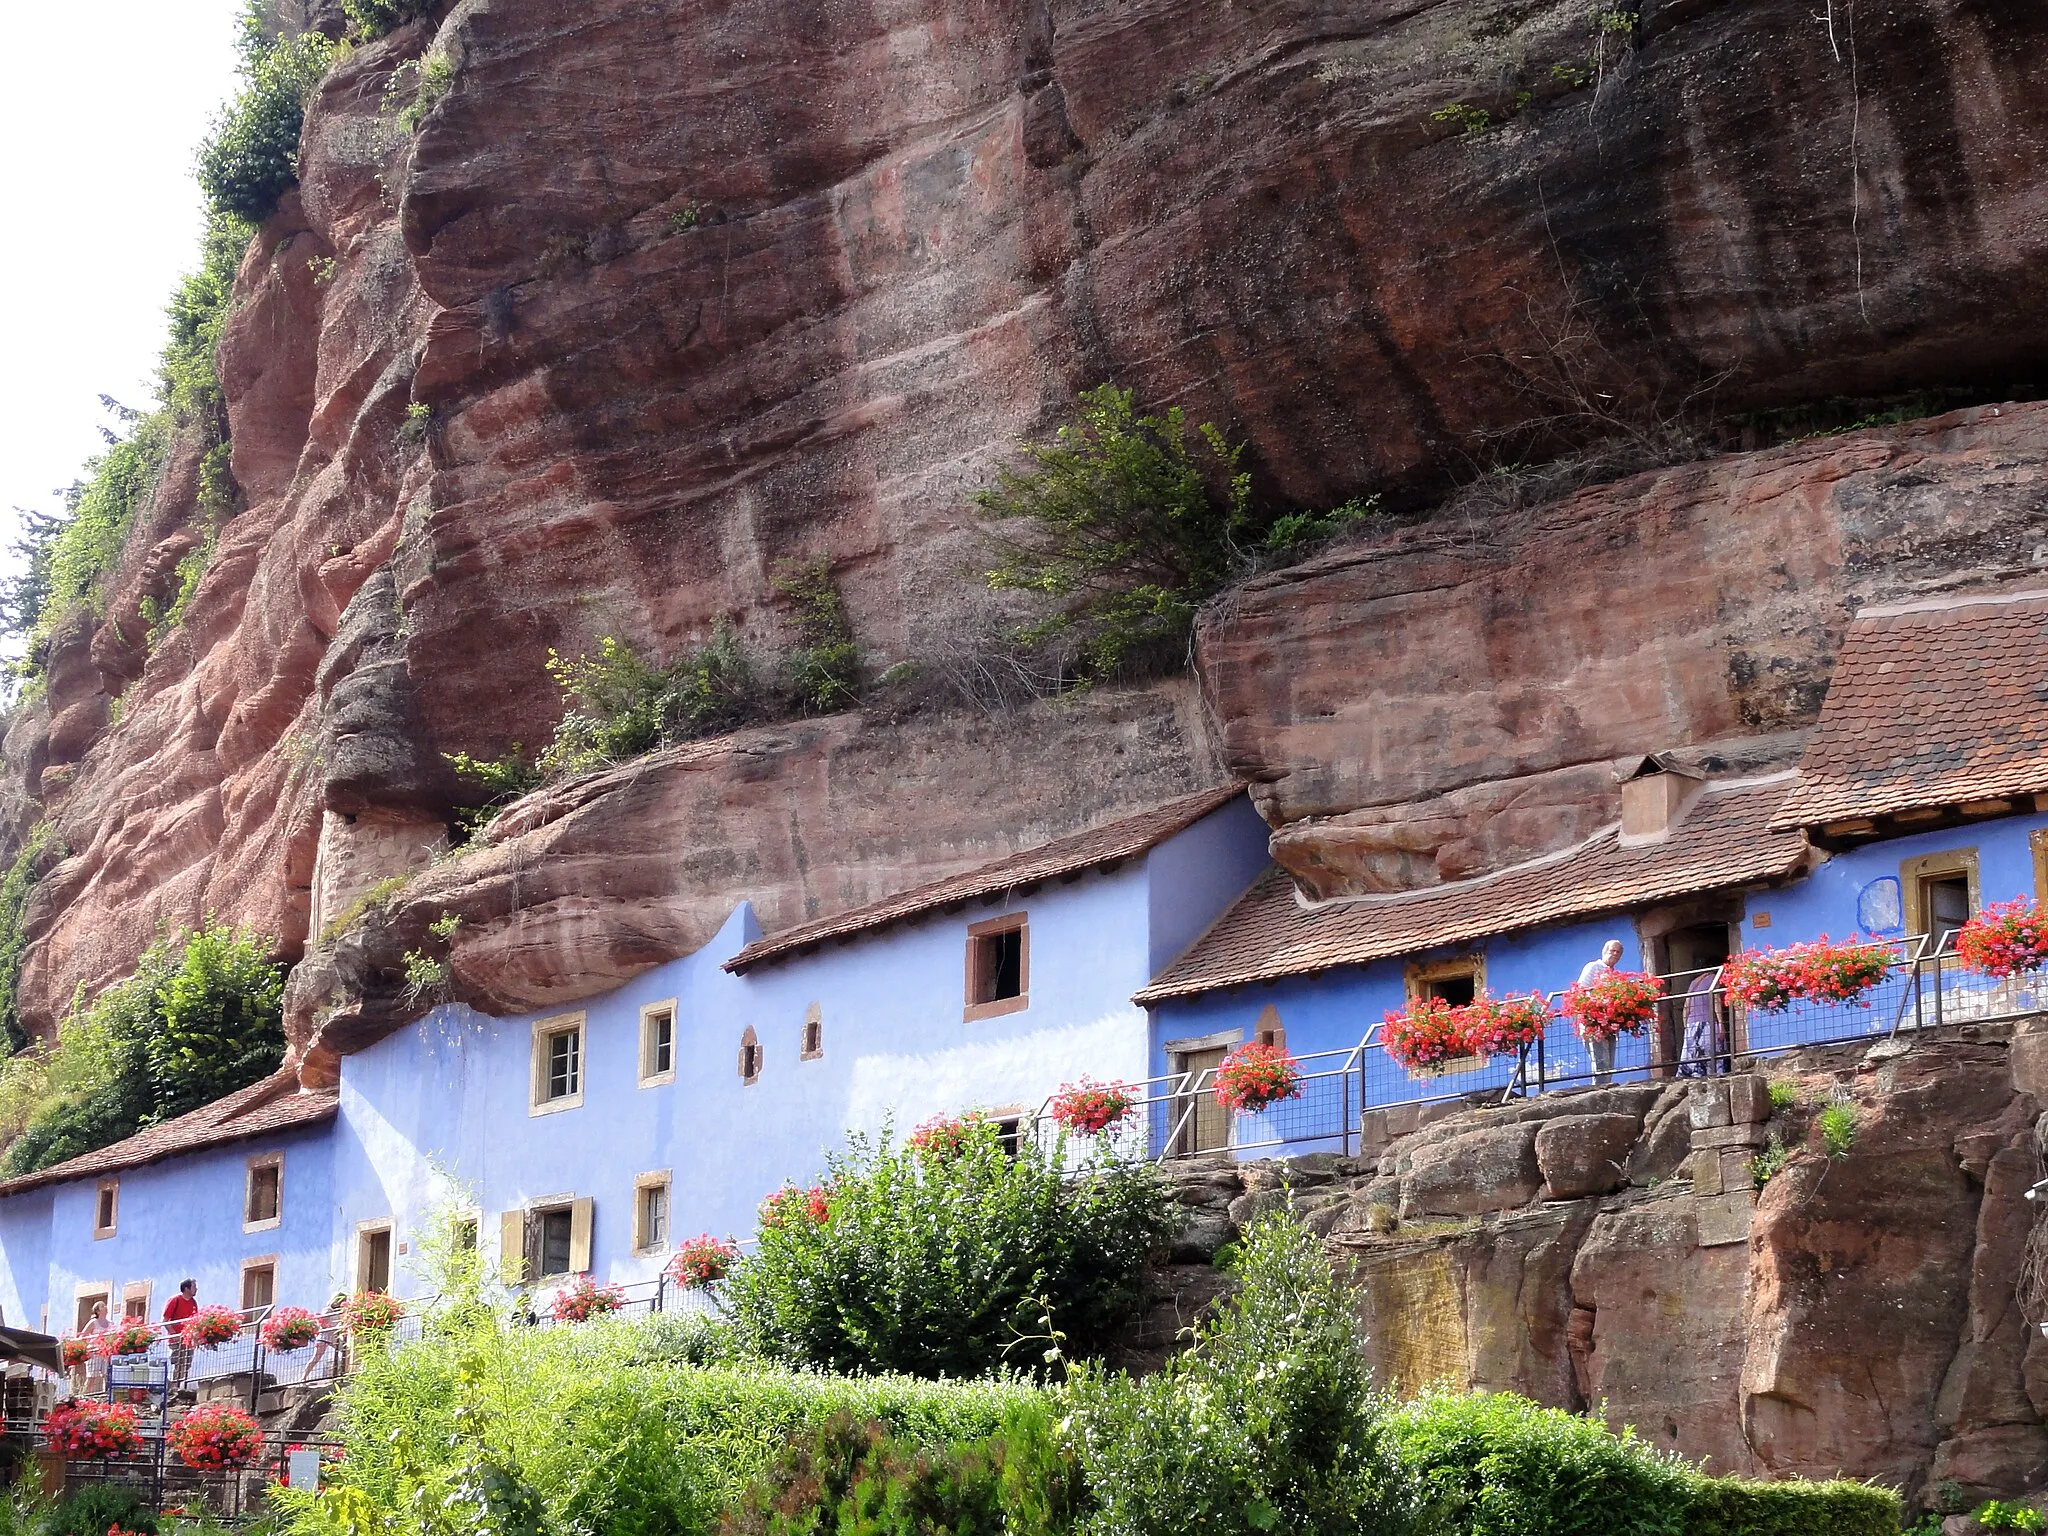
1720 842
274 1104
1932 704
1069 855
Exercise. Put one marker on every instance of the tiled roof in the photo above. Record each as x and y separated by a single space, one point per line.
275 1104
1068 856
1932 704
1720 842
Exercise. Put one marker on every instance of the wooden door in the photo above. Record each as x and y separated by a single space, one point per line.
1207 1129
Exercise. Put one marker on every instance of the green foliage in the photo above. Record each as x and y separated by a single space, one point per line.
1464 117
425 976
435 74
491 784
200 1017
251 158
1132 520
419 421
1616 21
94 1508
1783 1095
16 886
1769 1163
686 218
1301 530
444 926
1838 1124
935 1260
369 20
625 707
2001 1515
825 666
359 908
1268 1426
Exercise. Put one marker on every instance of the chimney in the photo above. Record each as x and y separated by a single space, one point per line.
1655 797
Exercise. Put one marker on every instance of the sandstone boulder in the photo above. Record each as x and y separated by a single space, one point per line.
1582 1155
1471 1173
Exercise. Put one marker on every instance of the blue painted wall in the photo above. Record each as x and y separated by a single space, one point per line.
25 1258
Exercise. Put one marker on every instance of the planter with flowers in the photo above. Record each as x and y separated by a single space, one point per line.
129 1339
583 1298
1255 1077
82 1430
1504 1026
945 1136
215 1437
1089 1108
289 1328
1821 970
702 1261
210 1327
74 1352
2007 938
1622 1003
371 1312
790 1204
1426 1035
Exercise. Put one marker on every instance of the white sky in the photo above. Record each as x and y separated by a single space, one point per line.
101 119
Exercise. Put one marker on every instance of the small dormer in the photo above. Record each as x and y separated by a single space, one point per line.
1655 795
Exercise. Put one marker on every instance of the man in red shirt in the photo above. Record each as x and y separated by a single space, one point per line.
176 1310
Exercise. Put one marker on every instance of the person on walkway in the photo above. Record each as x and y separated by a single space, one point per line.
1602 1049
329 1339
95 1366
176 1311
1705 1052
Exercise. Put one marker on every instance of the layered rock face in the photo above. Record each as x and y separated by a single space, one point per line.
684 291
1600 1248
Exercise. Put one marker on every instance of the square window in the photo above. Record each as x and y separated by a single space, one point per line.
1456 982
650 1213
557 1063
106 1208
998 966
263 1197
658 1043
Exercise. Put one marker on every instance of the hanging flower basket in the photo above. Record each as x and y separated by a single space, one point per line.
129 1339
1821 970
945 1136
1089 1108
371 1312
1427 1033
74 1352
1255 1077
289 1328
1504 1026
2007 938
583 1298
1621 1004
702 1261
790 1204
89 1431
215 1437
210 1327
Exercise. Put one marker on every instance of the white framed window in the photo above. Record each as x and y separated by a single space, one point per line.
263 1192
557 1064
658 1043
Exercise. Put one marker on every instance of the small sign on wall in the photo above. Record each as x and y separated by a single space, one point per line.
302 1468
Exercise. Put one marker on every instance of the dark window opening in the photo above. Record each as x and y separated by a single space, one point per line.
653 1215
103 1220
814 1038
1009 1132
259 1287
1945 900
265 1181
375 1267
1458 990
555 1230
750 1055
465 1234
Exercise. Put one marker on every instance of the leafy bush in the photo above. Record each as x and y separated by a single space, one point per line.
825 666
624 706
1838 1123
16 886
1999 1515
95 1508
200 1017
938 1260
369 20
1783 1095
251 158
1268 1426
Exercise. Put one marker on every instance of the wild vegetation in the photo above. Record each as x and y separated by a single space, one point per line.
201 1016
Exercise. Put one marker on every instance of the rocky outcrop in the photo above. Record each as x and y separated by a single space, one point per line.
1856 1317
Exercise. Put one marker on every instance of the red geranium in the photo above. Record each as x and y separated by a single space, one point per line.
1089 1108
215 1437
1503 1026
89 1431
1822 970
583 1298
289 1328
74 1352
702 1261
210 1327
2005 939
129 1339
1427 1033
371 1312
789 1203
945 1136
1255 1076
1622 1003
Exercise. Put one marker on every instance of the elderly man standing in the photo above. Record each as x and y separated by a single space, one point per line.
1602 1049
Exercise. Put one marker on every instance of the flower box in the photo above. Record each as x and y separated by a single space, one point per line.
1429 1033
945 1136
74 1352
89 1431
214 1437
790 1204
1256 1076
210 1327
583 1298
1622 1003
1821 970
371 1312
1089 1108
129 1339
289 1328
2006 939
1504 1026
701 1262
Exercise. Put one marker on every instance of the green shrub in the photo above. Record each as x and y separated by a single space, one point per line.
251 158
491 784
1726 1506
94 1508
1783 1095
625 707
1303 530
1770 1162
937 1260
16 886
825 666
1268 1426
1999 1515
1838 1123
369 20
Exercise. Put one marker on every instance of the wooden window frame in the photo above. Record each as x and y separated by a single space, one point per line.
259 1161
261 1261
545 1030
662 1179
360 1270
1946 863
1420 973
134 1290
750 1041
84 1293
649 1077
582 1231
99 1233
814 1029
1010 922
